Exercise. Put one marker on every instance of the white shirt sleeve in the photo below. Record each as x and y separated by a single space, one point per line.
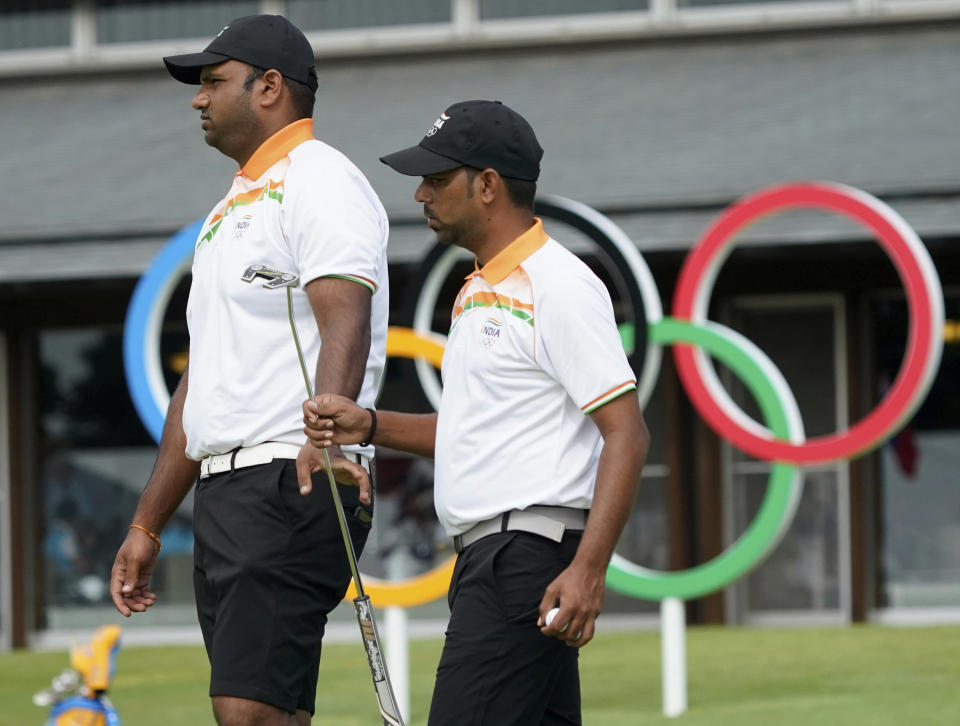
580 344
334 225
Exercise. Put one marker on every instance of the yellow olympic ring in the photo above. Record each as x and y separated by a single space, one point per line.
417 590
408 343
431 585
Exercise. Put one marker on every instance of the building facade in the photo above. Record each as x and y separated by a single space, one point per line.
658 113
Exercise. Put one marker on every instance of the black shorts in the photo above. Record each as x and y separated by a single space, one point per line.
497 668
269 565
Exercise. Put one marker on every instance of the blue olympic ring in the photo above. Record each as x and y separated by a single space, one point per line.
141 328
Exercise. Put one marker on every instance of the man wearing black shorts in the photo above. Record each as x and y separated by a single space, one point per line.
539 439
269 557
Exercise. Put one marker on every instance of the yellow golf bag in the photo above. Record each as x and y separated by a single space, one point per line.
78 695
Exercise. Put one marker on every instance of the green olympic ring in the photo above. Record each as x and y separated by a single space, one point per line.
779 410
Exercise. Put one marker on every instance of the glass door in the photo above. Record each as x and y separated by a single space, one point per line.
807 577
95 457
916 507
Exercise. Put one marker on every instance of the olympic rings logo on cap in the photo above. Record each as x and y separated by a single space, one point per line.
780 440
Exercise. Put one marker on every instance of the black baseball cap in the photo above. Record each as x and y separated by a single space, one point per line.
264 41
481 134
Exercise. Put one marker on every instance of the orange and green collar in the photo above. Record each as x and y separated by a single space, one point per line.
513 255
277 146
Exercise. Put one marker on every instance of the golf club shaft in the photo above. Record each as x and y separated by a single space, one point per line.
328 467
386 700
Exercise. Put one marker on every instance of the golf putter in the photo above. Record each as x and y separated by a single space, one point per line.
368 627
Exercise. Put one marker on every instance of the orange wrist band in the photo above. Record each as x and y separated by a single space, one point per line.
149 534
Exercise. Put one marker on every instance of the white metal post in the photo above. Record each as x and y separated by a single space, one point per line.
273 7
465 15
398 657
83 30
673 645
663 11
397 629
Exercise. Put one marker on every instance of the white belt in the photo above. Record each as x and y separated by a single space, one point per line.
261 454
549 522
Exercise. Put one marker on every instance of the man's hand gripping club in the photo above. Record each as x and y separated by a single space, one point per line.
311 460
330 420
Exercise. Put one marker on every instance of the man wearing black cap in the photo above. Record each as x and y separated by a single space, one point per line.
269 557
537 450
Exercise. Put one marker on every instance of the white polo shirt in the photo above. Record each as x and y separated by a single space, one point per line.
299 206
533 348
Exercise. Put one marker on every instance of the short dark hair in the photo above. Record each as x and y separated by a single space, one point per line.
520 192
303 97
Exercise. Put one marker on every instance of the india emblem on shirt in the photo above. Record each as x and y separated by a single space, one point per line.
243 224
490 333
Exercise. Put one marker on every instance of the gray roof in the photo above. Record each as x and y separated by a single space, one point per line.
685 125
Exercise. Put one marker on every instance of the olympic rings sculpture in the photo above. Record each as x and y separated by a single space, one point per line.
924 300
780 439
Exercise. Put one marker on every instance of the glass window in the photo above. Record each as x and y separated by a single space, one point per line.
95 459
918 502
802 573
809 369
123 21
491 9
645 540
22 25
339 14
407 539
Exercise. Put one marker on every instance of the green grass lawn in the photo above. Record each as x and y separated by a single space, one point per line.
870 675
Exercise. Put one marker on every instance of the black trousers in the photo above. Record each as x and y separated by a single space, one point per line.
269 565
497 668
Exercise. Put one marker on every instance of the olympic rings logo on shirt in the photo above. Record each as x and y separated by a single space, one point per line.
781 440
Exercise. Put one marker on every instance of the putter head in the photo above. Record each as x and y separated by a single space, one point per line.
275 278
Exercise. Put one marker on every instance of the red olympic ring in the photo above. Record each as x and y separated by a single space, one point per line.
924 300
